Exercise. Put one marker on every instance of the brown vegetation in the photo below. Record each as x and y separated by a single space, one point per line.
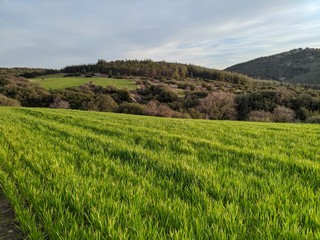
218 105
260 116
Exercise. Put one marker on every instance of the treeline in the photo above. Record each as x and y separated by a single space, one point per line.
26 72
205 94
149 68
279 105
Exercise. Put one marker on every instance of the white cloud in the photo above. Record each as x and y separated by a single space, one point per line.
205 32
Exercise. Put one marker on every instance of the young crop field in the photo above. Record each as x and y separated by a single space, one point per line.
85 175
59 82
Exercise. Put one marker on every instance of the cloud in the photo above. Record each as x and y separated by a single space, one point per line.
208 32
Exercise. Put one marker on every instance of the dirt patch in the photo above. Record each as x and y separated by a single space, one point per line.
8 225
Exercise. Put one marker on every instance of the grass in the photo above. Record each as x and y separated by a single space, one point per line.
59 82
86 175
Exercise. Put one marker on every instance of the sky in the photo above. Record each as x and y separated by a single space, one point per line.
210 33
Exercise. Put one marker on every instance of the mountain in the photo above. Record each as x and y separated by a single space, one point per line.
295 66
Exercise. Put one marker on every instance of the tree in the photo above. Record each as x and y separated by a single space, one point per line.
266 100
218 105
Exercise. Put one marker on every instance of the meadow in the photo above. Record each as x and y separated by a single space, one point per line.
85 175
57 81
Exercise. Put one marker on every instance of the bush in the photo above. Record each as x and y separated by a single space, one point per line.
260 100
283 114
167 95
5 101
122 95
194 113
154 108
4 81
101 103
132 108
59 103
313 119
218 105
161 93
165 111
75 97
260 116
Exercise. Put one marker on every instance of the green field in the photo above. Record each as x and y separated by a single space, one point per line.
86 175
59 82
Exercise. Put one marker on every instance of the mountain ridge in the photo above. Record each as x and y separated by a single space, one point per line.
297 66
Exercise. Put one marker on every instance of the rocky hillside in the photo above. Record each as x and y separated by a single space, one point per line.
296 66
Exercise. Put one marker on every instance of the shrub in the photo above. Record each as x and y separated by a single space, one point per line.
266 100
152 108
167 95
313 119
194 113
59 103
6 101
132 108
218 105
101 103
4 81
75 97
283 114
260 116
122 95
165 111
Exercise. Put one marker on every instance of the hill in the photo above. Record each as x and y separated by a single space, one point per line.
296 66
160 89
86 175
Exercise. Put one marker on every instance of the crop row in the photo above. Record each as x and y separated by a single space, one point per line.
85 175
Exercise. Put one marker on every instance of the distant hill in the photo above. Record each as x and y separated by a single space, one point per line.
160 89
295 66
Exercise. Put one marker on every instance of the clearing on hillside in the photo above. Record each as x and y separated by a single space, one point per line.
85 175
57 81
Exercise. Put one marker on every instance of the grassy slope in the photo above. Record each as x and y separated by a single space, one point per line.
55 82
86 175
